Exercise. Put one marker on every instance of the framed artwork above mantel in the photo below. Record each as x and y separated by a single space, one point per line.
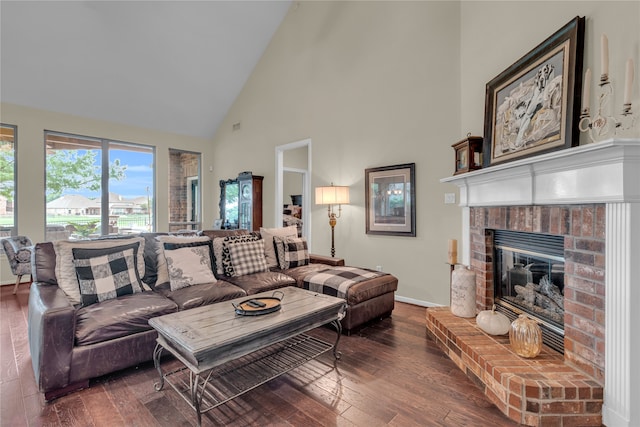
533 106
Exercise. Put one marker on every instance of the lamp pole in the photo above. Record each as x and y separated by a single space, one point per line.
333 220
332 224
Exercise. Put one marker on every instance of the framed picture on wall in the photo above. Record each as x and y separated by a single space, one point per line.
390 200
534 105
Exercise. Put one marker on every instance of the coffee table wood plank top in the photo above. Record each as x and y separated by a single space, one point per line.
211 335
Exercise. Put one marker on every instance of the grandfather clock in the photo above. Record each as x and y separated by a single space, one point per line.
250 201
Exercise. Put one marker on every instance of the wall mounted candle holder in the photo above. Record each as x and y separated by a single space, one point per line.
604 124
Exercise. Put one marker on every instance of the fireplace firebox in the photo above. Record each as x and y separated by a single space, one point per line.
529 279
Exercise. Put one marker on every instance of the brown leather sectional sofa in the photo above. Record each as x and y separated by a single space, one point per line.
70 345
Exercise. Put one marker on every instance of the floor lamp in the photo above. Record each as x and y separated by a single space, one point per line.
330 196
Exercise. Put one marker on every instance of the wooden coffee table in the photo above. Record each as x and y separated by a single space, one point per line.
225 354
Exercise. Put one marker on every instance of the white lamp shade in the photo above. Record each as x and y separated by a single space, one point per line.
333 195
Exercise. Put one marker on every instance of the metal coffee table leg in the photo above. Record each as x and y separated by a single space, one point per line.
198 388
338 326
195 398
157 352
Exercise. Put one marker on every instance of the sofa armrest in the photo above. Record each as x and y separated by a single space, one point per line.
322 259
51 335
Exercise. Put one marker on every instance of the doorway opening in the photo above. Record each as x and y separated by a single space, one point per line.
293 175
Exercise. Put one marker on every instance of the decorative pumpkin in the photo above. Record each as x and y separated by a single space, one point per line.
525 337
492 322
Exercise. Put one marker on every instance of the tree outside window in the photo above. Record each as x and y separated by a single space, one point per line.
7 181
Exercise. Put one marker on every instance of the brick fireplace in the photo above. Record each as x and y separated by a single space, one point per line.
583 229
590 195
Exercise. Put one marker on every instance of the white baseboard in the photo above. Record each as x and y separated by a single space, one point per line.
416 302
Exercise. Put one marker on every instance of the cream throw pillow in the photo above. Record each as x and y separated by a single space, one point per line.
66 270
163 270
189 265
267 235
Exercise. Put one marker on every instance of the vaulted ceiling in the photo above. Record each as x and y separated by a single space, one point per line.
174 66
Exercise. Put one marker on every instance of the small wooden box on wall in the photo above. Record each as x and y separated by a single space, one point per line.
468 154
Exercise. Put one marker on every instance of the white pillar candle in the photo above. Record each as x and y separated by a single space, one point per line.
452 251
604 54
586 90
628 82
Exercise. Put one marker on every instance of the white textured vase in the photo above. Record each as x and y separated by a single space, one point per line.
463 292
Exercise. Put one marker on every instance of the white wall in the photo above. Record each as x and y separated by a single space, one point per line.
373 84
291 185
292 181
31 125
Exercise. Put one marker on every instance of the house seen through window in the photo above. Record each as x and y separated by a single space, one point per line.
97 187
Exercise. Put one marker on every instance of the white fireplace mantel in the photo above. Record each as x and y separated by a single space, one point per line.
605 172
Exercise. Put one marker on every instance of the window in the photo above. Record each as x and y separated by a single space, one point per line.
184 190
84 174
7 181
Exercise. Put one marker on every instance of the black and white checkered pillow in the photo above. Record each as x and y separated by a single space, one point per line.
227 265
107 276
248 257
291 251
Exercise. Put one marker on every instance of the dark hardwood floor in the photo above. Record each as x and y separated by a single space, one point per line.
389 374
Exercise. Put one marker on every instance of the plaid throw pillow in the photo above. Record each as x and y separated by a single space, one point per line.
267 235
107 276
292 251
248 257
66 252
227 265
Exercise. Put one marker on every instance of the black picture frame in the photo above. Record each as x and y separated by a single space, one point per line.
533 107
390 200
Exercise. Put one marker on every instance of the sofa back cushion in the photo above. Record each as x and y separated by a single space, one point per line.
151 246
212 234
44 265
268 234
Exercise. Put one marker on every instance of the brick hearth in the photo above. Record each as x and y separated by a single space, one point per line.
544 391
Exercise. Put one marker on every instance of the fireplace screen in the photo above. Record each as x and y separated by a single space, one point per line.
529 278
